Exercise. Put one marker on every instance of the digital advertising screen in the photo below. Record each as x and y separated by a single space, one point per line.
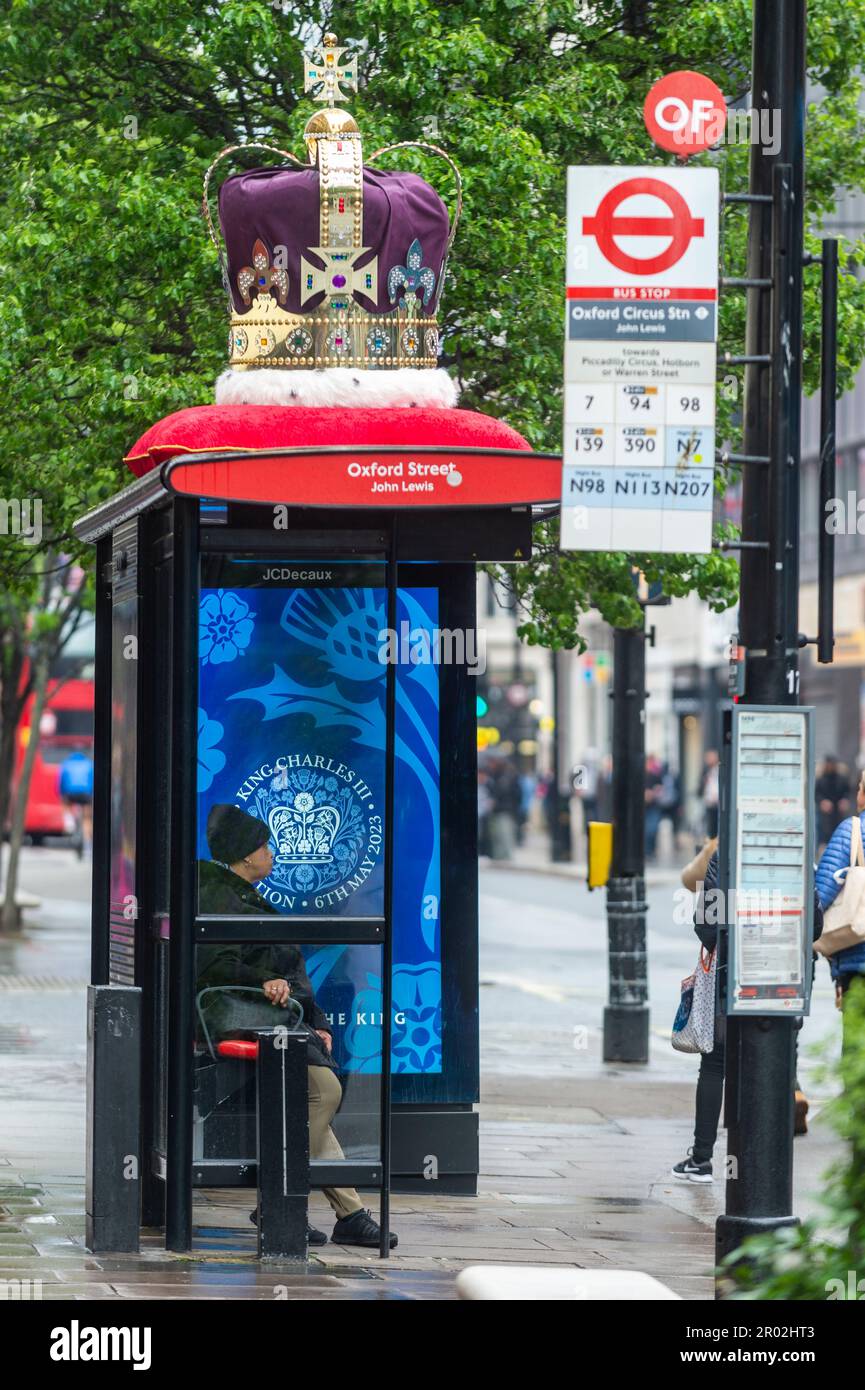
291 730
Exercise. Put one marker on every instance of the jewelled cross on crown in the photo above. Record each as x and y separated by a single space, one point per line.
325 71
339 279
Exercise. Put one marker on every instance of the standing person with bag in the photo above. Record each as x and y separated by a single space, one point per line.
841 889
698 876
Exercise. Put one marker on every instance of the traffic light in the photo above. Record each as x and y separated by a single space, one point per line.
482 697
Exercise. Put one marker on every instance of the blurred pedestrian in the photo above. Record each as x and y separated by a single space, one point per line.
586 777
670 799
710 790
654 792
604 810
528 782
833 797
586 780
485 806
504 814
76 790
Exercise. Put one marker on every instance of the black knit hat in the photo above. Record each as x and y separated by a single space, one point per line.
232 833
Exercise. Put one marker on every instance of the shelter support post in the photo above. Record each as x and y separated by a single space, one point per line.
113 1183
283 1145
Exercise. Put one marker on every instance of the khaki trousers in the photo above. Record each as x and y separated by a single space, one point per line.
325 1094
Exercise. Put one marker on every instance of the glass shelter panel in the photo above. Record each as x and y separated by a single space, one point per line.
235 983
124 718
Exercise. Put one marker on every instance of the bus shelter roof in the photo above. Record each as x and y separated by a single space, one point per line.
432 459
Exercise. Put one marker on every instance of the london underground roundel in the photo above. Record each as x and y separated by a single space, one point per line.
675 229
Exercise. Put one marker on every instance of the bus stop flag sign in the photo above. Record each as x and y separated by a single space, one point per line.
642 254
640 332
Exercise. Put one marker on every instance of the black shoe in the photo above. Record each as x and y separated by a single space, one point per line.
691 1171
359 1229
313 1237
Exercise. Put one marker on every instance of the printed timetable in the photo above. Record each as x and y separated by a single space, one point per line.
770 829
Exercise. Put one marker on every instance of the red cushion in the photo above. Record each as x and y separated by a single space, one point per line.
202 428
238 1047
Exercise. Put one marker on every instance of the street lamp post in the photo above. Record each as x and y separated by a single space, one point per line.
626 1017
559 819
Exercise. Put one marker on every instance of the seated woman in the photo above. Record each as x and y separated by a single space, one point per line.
242 856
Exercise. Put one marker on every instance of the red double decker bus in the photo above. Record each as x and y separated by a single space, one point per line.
66 726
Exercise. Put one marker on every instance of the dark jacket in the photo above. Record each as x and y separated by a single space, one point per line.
708 934
231 963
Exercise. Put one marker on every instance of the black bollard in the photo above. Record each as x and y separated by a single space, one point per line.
282 1121
113 1118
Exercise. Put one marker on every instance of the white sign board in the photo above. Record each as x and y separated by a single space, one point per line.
770 832
640 329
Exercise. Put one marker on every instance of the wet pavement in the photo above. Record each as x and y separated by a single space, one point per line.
575 1154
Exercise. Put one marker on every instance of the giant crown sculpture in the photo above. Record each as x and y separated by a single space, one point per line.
334 269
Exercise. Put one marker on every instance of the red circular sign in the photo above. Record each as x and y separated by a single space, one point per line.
685 113
679 227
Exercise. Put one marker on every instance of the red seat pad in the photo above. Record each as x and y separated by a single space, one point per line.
204 428
237 1047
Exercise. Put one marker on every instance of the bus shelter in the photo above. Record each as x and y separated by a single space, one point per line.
286 628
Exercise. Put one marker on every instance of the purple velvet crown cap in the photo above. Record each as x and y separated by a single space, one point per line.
281 208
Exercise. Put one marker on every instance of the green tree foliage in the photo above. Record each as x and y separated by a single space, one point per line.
113 313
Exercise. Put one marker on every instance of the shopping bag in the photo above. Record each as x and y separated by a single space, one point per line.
694 1024
844 921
